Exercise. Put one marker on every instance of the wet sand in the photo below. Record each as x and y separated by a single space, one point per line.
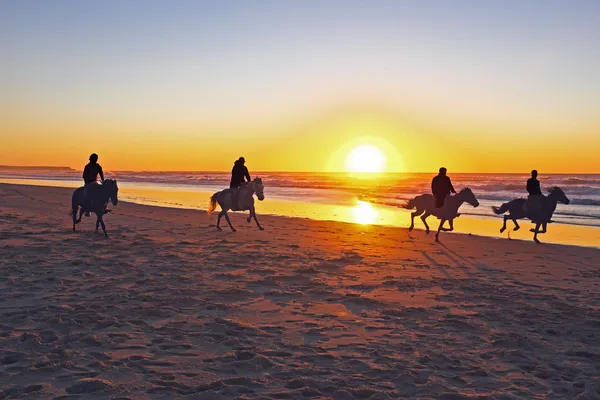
168 307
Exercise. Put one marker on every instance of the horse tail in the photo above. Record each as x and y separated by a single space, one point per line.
500 210
409 204
212 205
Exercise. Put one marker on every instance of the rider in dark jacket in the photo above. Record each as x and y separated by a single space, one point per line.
90 176
441 186
239 173
533 185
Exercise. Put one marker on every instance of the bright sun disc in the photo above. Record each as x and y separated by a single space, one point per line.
365 158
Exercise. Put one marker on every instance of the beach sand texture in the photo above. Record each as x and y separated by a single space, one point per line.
169 307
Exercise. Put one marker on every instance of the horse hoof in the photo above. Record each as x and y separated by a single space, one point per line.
73 228
437 239
219 229
532 230
537 241
248 220
233 230
261 228
410 228
502 230
517 228
427 232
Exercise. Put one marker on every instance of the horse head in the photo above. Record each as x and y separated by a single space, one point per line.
468 196
110 185
560 196
259 188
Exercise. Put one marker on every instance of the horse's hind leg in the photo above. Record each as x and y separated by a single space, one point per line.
97 222
219 220
517 227
423 218
412 218
74 213
537 228
229 222
506 217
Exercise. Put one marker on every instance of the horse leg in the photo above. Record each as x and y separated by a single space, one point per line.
437 235
537 228
504 225
517 227
544 225
229 222
253 212
423 218
451 223
103 226
97 222
80 215
412 219
219 220
74 213
249 216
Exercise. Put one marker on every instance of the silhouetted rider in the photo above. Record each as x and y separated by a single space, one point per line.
536 197
441 186
533 185
90 176
239 173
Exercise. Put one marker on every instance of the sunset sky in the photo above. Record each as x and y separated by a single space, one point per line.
478 86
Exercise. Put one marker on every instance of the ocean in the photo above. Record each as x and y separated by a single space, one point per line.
386 191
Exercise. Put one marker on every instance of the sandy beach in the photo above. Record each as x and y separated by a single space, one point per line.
169 307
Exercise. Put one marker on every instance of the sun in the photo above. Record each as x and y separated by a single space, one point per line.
366 158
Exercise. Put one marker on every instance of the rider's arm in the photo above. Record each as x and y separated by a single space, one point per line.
247 175
101 173
450 186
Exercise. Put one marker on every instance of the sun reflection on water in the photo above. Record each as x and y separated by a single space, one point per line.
364 213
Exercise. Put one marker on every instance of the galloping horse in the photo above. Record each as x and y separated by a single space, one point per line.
245 201
99 195
539 213
425 204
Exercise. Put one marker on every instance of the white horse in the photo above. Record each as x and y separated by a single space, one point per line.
245 201
425 204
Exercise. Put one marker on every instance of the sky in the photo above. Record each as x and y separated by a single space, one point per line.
477 86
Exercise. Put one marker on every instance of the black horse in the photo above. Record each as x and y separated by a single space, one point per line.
99 195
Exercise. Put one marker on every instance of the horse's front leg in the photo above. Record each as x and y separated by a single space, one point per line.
229 222
81 211
451 223
253 213
437 235
102 224
423 218
97 222
250 215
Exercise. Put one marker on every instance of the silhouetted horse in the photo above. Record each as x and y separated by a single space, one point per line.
539 212
425 204
245 200
99 195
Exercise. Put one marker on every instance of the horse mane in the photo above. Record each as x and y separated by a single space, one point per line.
555 189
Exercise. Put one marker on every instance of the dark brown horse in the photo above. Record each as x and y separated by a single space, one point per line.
99 196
